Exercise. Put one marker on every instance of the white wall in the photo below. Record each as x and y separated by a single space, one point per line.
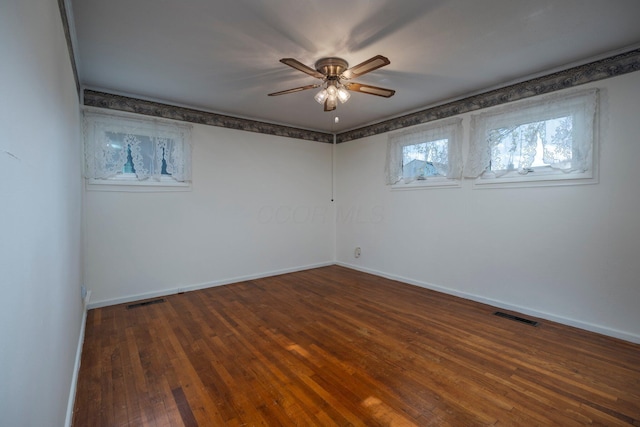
40 215
565 253
259 205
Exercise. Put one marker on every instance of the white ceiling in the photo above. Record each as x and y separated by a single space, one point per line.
222 56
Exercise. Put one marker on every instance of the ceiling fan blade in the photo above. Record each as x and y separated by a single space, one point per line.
371 90
295 89
374 63
294 63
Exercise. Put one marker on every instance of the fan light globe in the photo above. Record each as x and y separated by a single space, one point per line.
321 96
331 103
343 95
331 90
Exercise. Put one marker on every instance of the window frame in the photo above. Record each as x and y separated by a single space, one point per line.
582 105
450 129
97 121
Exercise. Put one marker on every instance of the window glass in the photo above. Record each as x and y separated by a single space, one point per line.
532 145
418 159
119 141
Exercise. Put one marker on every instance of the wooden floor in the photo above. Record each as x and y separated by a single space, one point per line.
332 346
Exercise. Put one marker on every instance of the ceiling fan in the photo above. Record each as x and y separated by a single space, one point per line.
335 73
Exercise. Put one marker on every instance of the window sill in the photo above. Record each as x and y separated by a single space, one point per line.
426 184
131 184
514 180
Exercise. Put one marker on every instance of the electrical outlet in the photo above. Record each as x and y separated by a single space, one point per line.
357 252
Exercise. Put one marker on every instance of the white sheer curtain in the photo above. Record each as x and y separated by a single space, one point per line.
440 148
152 148
557 132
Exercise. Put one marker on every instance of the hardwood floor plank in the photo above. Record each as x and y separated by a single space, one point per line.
333 346
179 343
188 419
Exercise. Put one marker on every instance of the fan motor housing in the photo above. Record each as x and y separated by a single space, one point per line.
331 67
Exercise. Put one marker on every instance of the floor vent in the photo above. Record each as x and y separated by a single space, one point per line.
142 304
516 318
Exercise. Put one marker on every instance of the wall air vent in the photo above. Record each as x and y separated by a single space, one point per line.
144 303
516 318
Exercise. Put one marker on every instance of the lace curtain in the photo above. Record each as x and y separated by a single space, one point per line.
150 148
423 151
557 132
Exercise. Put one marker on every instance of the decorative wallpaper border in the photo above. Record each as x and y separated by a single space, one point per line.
598 70
603 69
117 102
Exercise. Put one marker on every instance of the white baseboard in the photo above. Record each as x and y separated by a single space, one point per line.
615 333
76 366
626 336
171 291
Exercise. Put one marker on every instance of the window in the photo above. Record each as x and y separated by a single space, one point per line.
427 155
129 150
552 139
